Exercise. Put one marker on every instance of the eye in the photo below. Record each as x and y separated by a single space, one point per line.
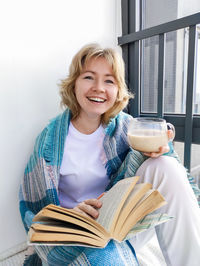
88 77
109 81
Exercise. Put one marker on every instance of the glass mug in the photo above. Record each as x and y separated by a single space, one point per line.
148 134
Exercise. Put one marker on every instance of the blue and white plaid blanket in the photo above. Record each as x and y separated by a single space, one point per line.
39 188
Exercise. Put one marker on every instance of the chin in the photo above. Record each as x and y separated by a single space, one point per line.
96 114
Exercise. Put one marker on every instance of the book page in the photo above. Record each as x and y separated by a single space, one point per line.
61 238
48 215
147 204
134 197
61 228
113 201
79 216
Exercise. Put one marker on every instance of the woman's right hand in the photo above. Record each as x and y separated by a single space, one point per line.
89 208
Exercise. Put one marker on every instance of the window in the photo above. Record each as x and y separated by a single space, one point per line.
162 55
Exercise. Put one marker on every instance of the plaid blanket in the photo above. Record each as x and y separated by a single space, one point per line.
39 188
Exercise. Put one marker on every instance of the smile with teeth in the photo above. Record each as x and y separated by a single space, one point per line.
95 99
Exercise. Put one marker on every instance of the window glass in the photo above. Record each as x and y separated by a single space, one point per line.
197 87
175 76
149 75
179 148
175 81
195 155
195 166
168 10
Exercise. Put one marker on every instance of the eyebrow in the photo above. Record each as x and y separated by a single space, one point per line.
90 71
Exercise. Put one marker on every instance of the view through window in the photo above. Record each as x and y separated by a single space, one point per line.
176 62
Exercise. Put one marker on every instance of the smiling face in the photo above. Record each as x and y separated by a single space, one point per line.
96 88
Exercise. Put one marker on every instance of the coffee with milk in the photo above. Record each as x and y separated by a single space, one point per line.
148 134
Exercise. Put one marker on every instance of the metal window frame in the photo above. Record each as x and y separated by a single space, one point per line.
187 125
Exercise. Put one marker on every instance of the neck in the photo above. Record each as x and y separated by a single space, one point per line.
86 126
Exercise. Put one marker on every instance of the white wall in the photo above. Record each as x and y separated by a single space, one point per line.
37 41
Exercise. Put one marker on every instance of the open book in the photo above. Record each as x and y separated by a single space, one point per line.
124 211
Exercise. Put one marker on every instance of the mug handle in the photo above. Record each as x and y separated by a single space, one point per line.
172 128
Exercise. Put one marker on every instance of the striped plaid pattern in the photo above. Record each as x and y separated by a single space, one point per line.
39 188
148 222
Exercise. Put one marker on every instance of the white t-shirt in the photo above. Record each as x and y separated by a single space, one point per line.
82 173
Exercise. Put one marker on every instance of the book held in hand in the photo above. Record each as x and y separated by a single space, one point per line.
127 209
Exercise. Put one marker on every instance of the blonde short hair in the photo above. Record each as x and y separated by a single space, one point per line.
68 98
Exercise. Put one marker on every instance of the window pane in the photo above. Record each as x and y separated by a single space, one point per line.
168 10
176 57
175 79
195 166
195 155
197 89
179 148
149 75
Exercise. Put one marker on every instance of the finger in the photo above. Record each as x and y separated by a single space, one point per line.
170 134
80 211
88 209
162 150
147 154
171 128
96 203
152 154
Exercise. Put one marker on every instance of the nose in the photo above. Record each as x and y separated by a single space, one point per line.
99 86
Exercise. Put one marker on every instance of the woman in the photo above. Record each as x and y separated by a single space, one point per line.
84 152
